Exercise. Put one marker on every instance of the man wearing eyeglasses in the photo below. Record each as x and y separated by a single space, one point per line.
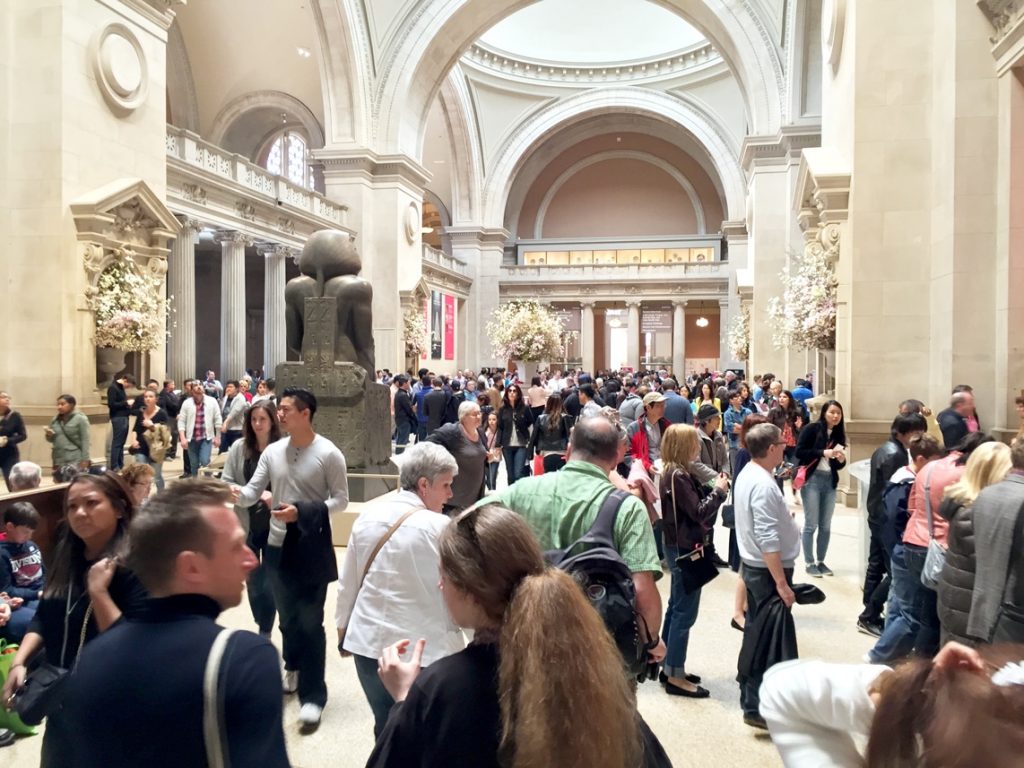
769 543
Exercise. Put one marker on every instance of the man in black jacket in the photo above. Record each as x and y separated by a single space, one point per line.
953 420
435 404
171 403
119 407
405 415
884 463
188 549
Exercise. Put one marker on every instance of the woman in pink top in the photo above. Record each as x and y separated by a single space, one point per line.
930 485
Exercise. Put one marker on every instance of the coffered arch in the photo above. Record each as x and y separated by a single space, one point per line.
549 121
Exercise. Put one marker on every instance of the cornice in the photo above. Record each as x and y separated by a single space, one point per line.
478 235
1007 19
511 66
785 146
369 164
159 12
822 194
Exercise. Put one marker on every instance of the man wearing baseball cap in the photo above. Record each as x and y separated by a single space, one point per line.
645 433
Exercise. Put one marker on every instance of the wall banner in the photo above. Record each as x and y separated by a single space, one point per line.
449 327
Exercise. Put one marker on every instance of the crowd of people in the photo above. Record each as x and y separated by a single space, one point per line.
620 473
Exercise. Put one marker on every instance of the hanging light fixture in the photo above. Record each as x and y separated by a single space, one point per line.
702 322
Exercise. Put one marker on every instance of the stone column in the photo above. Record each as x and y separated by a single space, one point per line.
679 340
274 348
232 304
482 249
633 331
181 290
587 335
724 316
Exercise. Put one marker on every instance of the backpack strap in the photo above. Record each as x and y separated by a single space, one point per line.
602 530
214 733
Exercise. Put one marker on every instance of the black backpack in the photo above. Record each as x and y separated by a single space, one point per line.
606 580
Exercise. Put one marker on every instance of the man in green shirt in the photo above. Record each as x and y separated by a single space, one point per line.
561 506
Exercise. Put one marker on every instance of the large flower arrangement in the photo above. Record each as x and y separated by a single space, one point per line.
739 334
415 329
805 315
524 330
130 312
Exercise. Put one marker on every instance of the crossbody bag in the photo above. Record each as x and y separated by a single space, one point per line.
697 566
935 559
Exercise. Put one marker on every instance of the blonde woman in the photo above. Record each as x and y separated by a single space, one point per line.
688 511
989 464
542 678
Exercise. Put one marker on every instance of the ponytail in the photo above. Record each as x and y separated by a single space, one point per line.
565 699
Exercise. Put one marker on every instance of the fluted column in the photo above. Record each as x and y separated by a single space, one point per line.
587 336
181 290
232 304
724 316
274 350
633 329
679 340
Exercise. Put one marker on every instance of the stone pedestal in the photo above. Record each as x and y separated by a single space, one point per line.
353 412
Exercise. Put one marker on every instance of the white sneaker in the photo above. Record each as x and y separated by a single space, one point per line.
309 714
290 681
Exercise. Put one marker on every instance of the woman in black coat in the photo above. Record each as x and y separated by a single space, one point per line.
821 453
988 464
12 432
514 422
550 436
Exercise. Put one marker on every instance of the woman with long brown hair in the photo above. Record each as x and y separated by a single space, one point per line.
86 592
540 685
260 428
962 709
514 422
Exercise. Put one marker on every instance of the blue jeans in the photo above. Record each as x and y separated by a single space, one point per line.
377 696
402 432
819 500
901 625
199 455
304 646
680 616
924 606
158 469
14 630
261 597
515 463
227 437
491 478
119 425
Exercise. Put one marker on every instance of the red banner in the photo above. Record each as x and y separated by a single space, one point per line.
449 327
426 324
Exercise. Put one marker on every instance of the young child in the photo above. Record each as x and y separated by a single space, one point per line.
493 452
21 568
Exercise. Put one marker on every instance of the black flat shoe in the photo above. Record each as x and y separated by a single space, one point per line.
735 625
755 721
663 678
675 690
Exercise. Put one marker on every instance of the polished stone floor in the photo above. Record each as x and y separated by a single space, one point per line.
694 732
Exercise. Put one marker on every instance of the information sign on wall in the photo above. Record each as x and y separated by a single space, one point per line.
449 327
655 320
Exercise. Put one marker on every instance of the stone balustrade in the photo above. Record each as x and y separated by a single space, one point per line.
441 259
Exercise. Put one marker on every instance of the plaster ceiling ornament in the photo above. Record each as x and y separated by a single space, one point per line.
286 225
157 269
194 193
131 216
93 257
246 210
120 68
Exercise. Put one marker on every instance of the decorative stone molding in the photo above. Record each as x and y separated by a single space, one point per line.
278 101
160 12
614 283
235 237
413 223
372 166
781 148
822 200
124 215
1007 19
686 61
120 68
246 210
833 28
194 193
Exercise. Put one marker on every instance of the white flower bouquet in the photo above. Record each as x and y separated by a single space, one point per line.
805 315
129 309
524 330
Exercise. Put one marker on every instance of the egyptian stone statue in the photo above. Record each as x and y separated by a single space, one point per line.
330 266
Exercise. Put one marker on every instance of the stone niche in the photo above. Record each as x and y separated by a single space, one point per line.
124 219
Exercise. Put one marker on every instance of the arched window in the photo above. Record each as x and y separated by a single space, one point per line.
287 157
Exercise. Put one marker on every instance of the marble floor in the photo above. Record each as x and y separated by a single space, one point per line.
694 732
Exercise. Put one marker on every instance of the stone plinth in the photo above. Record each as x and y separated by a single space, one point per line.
353 412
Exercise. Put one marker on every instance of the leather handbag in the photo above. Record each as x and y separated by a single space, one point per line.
697 567
45 687
800 479
935 558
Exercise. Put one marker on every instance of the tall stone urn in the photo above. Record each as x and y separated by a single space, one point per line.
108 362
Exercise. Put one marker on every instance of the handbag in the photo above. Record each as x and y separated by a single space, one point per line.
801 476
696 567
10 720
45 687
935 559
373 555
158 440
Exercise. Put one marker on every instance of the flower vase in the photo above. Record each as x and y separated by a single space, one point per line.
526 370
108 362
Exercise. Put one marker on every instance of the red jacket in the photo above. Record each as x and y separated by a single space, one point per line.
637 434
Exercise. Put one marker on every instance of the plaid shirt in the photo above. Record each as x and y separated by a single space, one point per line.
199 431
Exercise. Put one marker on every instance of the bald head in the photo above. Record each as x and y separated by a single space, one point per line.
596 440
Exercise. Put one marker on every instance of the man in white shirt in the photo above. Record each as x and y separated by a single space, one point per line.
233 409
199 423
769 543
308 479
394 595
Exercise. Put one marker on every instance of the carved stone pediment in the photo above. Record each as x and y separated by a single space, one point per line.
126 214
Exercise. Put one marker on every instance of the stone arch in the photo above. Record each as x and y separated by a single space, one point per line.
663 107
181 87
625 154
346 71
245 105
432 42
468 170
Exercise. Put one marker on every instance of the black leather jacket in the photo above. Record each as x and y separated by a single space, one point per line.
548 436
884 463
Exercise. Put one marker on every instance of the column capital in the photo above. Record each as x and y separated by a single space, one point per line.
587 303
723 303
276 249
680 303
634 303
188 224
232 236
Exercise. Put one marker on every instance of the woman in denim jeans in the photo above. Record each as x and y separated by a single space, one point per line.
514 422
822 450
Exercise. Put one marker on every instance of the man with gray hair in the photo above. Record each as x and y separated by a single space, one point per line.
25 475
387 590
769 543
561 506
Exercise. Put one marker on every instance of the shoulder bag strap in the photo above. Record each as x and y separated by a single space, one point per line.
928 500
213 703
380 544
65 433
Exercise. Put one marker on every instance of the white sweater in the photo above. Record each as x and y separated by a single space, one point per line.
819 714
